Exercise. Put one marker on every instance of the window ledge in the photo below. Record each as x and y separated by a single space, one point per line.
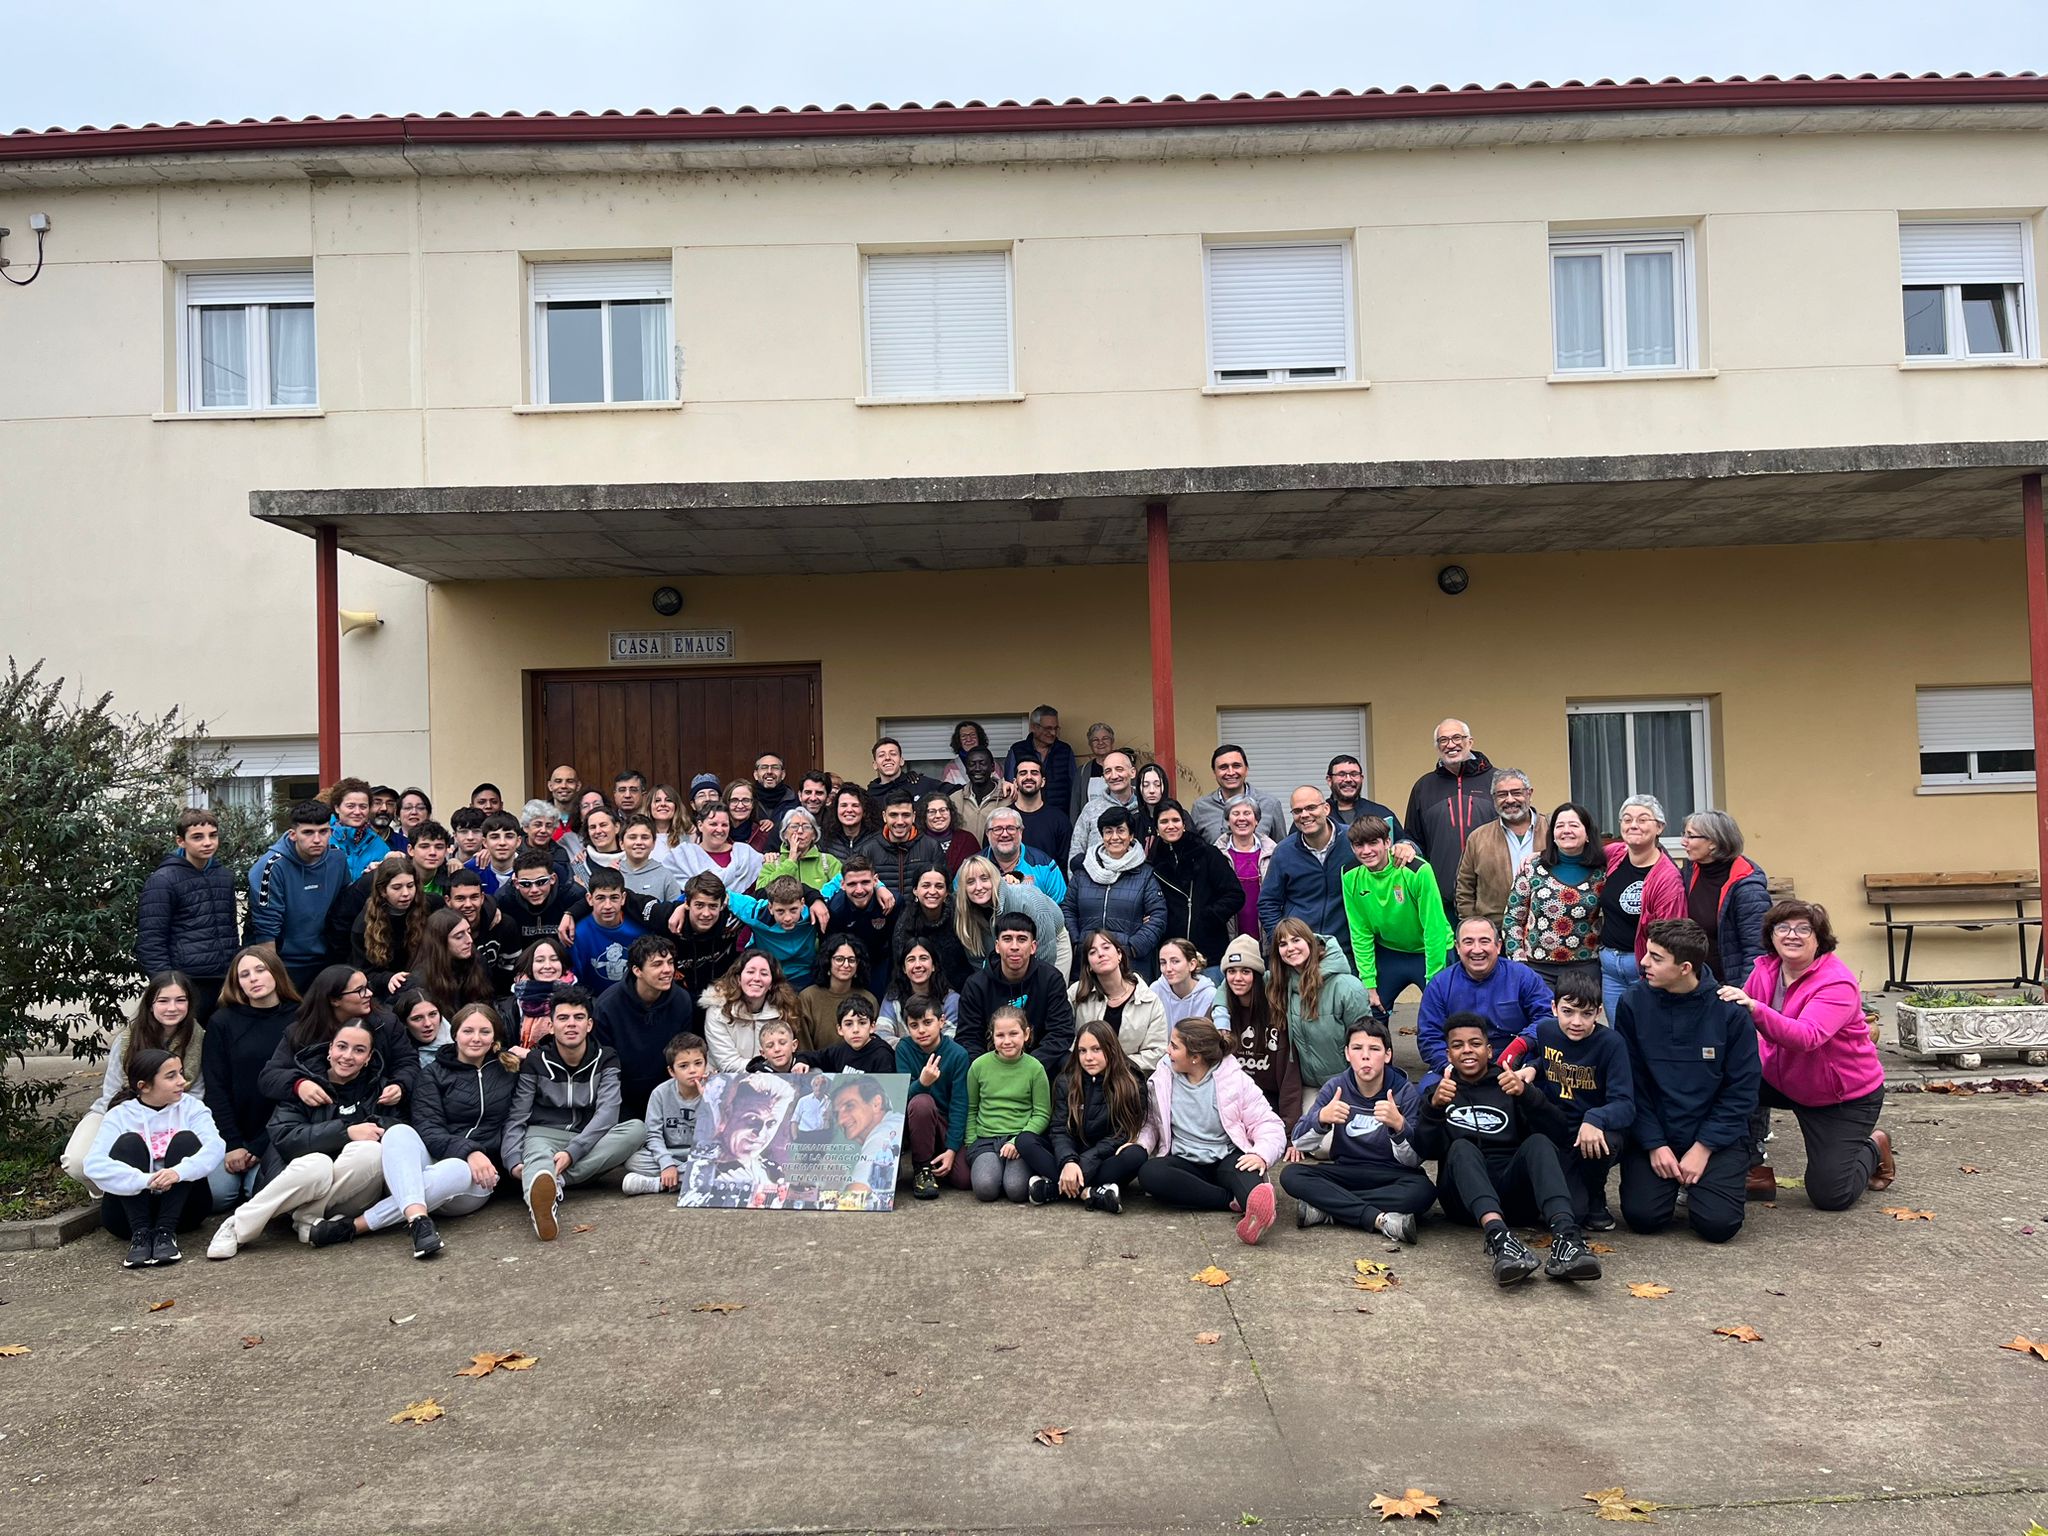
1304 387
279 413
580 407
2026 788
1004 399
1632 376
1945 364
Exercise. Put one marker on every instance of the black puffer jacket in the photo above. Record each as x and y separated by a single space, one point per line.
297 1129
1201 890
397 1052
459 1109
186 919
1099 1137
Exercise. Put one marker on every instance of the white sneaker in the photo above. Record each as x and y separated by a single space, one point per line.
225 1244
640 1184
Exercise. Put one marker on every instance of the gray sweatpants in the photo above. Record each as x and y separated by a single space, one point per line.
544 1141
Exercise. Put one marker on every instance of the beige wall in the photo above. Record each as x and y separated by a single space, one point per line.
132 522
1810 658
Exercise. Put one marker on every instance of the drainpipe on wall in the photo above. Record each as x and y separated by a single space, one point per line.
1159 581
2037 652
327 651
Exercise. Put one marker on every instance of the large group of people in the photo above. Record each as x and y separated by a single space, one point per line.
1093 990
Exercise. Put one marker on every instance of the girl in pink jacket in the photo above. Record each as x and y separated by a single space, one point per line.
1819 1060
1209 1133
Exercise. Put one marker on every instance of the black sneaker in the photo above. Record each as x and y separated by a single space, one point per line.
1600 1220
1570 1258
163 1247
1040 1191
1107 1198
926 1185
426 1242
329 1230
1511 1260
141 1250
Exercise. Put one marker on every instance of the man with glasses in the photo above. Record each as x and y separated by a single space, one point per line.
1449 803
1007 850
1306 876
1346 778
1496 851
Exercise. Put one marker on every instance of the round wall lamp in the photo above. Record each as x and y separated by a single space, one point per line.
1452 580
668 602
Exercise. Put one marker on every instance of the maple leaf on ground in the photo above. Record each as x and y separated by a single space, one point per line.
1377 1284
2020 1345
1211 1276
163 1306
424 1412
1615 1504
251 1340
1208 1338
1411 1505
1371 1267
489 1361
1593 1247
10 1350
1648 1291
1905 1213
1743 1332
719 1306
581 1227
1053 1434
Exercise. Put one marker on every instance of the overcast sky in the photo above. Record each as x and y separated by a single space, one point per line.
134 61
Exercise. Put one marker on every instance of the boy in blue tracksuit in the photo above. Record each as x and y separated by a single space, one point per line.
1374 1179
1693 1060
781 929
1582 1068
290 889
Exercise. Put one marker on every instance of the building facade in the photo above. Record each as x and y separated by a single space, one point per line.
1716 399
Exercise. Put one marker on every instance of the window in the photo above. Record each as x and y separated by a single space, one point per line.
1965 290
938 324
602 332
1622 303
1286 748
264 777
927 741
1279 314
1976 735
248 341
1656 748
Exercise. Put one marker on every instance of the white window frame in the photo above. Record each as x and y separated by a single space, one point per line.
664 290
918 727
1702 748
1267 378
1955 331
1008 388
262 761
1611 247
1972 777
256 341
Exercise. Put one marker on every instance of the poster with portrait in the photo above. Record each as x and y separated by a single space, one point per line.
816 1141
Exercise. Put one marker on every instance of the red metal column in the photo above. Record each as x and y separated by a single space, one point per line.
327 651
2037 650
1159 581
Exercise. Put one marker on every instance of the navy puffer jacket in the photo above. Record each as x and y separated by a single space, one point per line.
186 920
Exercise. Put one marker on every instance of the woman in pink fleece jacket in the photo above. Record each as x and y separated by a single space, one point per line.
1818 1056
1209 1134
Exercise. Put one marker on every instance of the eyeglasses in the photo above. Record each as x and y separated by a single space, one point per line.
366 990
1451 741
1794 930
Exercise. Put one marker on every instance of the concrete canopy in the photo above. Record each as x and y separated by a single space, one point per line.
1252 512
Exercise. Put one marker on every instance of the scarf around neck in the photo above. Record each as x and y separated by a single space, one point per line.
1105 870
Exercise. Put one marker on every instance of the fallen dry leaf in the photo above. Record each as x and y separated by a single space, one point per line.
1742 1331
1211 1276
2020 1345
1538 1240
419 1413
582 1227
1412 1505
163 1306
1371 1267
251 1340
1615 1504
1970 1168
1208 1338
1377 1284
489 1361
1647 1291
1053 1434
719 1306
1906 1213
400 1322
15 1349
1405 1029
917 1391
1592 1247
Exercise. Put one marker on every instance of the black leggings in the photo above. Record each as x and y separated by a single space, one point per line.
1840 1156
1528 1186
1119 1168
181 1207
1199 1186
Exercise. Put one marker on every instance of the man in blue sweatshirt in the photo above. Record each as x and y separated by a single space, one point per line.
290 889
1696 1074
1511 998
1582 1068
1367 1114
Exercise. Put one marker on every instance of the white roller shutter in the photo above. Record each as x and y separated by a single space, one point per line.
275 757
1286 748
938 323
583 281
1962 253
927 743
1279 306
1976 720
281 286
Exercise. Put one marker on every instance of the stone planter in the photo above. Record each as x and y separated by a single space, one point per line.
1960 1037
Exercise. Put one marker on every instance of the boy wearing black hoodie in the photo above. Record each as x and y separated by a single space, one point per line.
1697 1075
1583 1071
858 1050
1367 1115
1491 1136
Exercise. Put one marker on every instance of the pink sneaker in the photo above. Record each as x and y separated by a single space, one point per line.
1258 1215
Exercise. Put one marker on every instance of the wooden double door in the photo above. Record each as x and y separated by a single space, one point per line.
672 723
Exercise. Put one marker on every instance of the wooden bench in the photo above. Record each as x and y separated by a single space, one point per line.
1955 888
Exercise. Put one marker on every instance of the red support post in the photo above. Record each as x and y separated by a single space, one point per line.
1159 581
327 651
2037 649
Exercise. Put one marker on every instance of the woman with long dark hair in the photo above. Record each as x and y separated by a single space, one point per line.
1553 917
927 918
162 1021
390 926
338 995
257 1002
1090 1151
852 820
1109 993
446 967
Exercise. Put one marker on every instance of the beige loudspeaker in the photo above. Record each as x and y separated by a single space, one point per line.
354 619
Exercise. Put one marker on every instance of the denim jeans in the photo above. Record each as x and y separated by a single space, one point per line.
231 1189
1618 972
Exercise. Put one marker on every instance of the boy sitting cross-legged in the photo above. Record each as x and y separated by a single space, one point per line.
1369 1115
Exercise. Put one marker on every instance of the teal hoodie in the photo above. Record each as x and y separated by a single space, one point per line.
1319 1041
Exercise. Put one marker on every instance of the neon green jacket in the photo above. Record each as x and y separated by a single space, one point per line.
1401 908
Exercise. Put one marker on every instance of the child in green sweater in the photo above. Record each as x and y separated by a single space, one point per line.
1399 933
1007 1094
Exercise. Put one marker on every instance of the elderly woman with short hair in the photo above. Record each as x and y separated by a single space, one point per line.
1643 887
1725 894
